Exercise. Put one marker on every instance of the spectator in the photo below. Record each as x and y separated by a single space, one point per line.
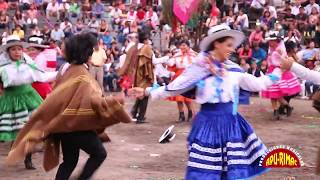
86 9
258 53
52 9
256 8
26 4
107 39
115 51
132 14
311 5
245 53
256 35
295 9
267 20
18 18
134 27
57 34
96 64
140 15
313 20
3 6
18 31
229 19
64 8
66 27
35 31
310 55
153 17
98 9
74 9
93 24
78 26
32 15
302 20
271 9
293 34
46 33
288 19
242 21
4 20
254 69
264 67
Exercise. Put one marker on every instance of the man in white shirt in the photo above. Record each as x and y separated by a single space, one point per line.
53 9
295 8
312 4
66 27
57 34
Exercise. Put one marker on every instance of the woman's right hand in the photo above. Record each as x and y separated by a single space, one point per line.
136 92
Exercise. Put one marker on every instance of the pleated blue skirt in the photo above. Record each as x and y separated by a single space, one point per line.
223 146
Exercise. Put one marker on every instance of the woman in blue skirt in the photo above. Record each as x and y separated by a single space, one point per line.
222 144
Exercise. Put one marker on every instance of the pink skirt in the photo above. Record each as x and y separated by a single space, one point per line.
287 86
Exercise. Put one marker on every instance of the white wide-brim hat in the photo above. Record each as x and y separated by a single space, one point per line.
168 135
36 41
220 31
273 35
13 40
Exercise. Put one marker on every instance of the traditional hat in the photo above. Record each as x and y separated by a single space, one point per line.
13 40
220 31
167 136
36 41
273 35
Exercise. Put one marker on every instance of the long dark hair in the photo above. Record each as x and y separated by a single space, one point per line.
220 40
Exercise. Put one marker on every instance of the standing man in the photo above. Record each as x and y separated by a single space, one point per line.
96 63
138 67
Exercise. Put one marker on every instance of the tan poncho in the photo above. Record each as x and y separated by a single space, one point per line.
75 104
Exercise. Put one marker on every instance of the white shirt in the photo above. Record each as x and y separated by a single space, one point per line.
309 7
54 8
116 13
64 6
258 4
295 10
244 19
63 25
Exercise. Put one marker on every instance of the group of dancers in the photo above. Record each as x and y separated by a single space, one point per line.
221 143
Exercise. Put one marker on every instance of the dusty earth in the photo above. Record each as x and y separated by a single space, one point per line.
134 153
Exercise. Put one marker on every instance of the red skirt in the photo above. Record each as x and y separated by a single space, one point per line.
178 98
43 89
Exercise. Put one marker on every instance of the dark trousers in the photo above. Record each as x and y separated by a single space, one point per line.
140 107
71 143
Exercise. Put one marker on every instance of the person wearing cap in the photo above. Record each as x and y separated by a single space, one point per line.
17 98
37 52
289 84
218 132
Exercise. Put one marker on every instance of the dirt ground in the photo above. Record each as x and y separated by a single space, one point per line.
134 153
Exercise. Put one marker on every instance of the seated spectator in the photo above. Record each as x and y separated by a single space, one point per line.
302 20
98 9
107 38
295 9
18 31
132 14
293 34
254 69
57 34
74 9
288 19
64 8
4 20
13 4
93 24
311 5
264 67
103 27
66 27
258 53
310 54
25 4
256 8
19 18
256 36
46 33
153 17
35 31
86 9
116 15
3 6
140 15
229 19
78 26
242 21
53 9
267 20
115 51
245 53
32 15
312 22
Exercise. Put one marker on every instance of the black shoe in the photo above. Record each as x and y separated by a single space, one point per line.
282 110
289 110
276 115
190 116
141 120
29 165
182 118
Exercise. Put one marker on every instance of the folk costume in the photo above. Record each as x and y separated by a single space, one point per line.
222 144
78 116
18 99
138 68
178 63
